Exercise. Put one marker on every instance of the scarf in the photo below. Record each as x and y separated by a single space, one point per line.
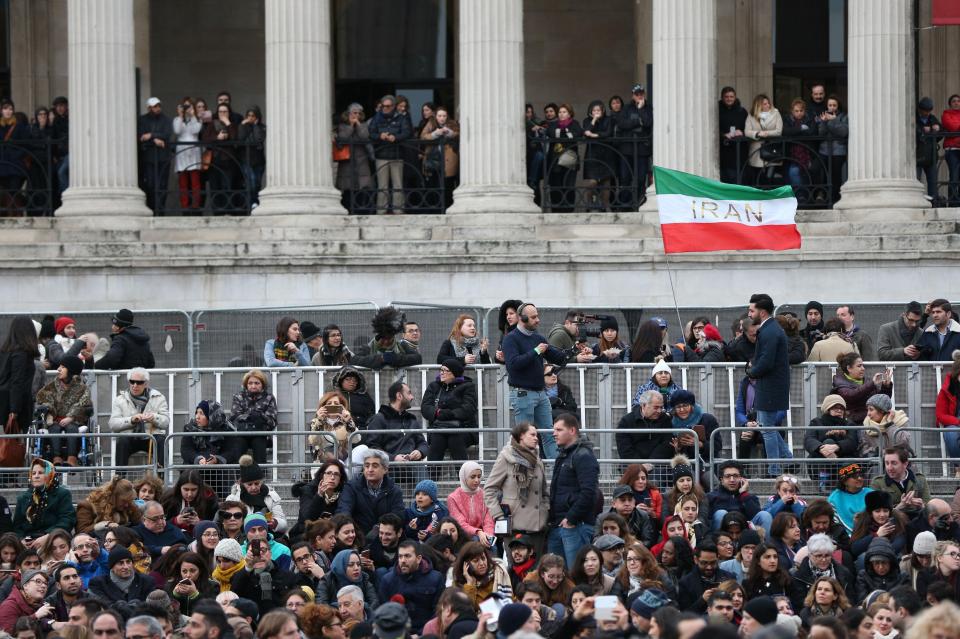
849 334
281 353
466 470
466 346
692 419
524 467
523 331
906 334
521 570
223 577
41 494
140 401
858 382
122 584
563 123
817 573
257 502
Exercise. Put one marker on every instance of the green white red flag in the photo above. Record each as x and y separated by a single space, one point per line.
699 215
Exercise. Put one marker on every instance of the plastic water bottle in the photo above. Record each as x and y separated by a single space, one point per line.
823 481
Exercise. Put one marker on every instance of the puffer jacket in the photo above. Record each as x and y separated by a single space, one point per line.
453 402
272 502
67 400
868 580
359 401
574 489
248 407
208 442
530 508
124 409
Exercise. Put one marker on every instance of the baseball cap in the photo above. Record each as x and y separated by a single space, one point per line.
153 102
638 88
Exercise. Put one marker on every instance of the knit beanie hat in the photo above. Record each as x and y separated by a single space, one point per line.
512 617
763 609
427 486
749 537
662 366
27 575
204 407
683 396
62 323
249 469
813 304
453 365
73 364
680 466
118 554
609 322
881 402
924 543
229 549
201 526
830 401
254 519
649 602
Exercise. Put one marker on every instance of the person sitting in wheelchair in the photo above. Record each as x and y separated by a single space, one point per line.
70 407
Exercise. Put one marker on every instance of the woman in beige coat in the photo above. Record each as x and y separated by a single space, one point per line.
763 122
518 480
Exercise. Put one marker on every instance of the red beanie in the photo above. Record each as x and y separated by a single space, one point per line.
62 323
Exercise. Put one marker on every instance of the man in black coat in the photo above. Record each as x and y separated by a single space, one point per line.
122 583
415 579
388 130
573 491
634 129
649 414
251 583
129 345
695 588
771 368
733 119
155 133
368 496
403 440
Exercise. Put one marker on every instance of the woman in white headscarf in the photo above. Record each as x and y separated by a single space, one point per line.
466 504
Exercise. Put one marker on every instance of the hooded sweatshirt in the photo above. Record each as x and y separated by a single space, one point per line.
868 580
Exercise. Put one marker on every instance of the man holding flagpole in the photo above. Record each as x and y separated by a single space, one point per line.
771 368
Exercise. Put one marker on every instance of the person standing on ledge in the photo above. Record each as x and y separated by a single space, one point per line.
771 368
523 352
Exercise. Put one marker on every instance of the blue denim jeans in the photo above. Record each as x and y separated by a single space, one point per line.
762 519
534 407
951 437
566 542
774 445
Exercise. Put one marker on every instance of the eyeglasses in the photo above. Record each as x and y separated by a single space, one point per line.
137 382
228 515
633 560
331 473
211 534
38 582
953 555
725 543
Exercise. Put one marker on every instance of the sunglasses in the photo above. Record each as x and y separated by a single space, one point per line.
225 515
137 382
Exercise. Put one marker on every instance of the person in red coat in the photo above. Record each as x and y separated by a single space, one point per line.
26 600
948 410
951 146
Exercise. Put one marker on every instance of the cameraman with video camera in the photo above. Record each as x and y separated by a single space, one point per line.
566 337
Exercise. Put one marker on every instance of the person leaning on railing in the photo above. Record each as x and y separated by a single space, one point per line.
223 171
563 159
797 125
763 122
600 162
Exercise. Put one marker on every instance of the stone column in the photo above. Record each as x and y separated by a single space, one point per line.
103 140
881 151
684 97
299 165
492 138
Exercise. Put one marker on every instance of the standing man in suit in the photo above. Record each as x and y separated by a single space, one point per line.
771 368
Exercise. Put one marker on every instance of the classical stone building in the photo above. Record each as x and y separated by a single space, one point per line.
304 59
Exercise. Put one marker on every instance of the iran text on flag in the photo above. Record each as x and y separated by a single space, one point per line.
698 215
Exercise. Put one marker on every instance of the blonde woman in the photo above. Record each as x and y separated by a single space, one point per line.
333 425
763 122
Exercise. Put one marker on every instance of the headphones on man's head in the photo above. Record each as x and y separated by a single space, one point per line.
523 316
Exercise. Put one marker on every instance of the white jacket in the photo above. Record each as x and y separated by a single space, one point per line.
124 409
274 505
188 156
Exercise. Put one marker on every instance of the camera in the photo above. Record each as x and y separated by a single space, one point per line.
584 321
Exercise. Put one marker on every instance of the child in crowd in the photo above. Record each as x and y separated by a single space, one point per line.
424 515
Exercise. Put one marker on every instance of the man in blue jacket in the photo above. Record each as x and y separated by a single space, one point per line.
733 493
942 337
573 490
771 368
415 579
524 350
388 129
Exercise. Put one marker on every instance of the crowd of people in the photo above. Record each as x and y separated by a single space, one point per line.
387 164
517 548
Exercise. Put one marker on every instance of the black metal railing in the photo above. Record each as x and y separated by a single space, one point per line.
218 177
812 164
589 174
410 177
28 177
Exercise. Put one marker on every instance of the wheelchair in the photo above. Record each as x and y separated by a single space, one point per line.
40 444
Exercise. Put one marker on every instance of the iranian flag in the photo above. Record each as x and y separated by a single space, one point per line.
698 215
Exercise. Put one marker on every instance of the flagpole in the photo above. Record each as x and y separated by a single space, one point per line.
673 291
